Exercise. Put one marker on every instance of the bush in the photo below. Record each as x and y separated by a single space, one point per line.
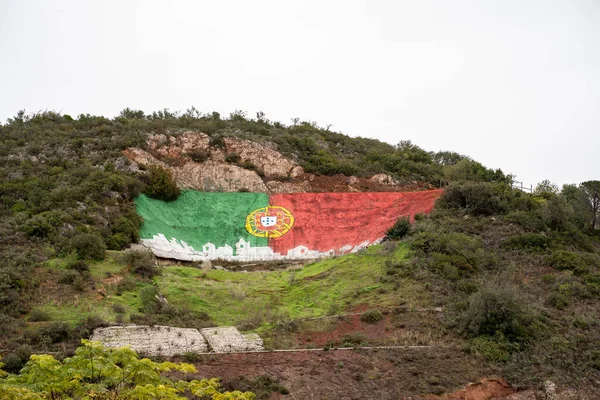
371 316
88 246
38 315
198 155
530 221
263 386
558 300
457 249
497 309
476 198
57 332
78 265
68 277
161 185
493 348
400 229
141 263
127 284
147 297
534 241
567 260
232 158
354 340
12 363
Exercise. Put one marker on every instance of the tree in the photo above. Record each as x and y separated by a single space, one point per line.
592 191
546 189
161 184
88 246
99 373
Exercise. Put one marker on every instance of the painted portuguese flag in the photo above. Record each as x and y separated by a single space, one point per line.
255 226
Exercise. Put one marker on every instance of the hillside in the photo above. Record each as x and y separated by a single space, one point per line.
497 281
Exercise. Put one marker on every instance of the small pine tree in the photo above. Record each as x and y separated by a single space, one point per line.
161 185
400 229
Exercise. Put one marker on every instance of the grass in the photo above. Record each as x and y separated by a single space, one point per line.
321 288
250 300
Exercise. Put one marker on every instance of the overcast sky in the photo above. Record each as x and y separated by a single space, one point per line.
513 84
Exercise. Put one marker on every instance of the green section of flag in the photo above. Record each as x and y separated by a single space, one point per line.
198 218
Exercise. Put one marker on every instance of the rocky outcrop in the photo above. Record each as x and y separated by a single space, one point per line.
209 176
212 176
152 340
178 146
270 162
383 179
237 165
142 157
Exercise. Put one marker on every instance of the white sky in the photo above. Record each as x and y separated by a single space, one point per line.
514 84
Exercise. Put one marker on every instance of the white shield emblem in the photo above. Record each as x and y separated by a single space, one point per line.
268 221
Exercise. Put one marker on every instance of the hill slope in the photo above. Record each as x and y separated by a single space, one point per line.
511 278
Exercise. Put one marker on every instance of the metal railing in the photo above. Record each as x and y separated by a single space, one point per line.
519 185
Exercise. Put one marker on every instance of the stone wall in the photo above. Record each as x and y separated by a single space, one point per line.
152 340
169 341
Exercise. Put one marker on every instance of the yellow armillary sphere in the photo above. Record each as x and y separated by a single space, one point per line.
269 222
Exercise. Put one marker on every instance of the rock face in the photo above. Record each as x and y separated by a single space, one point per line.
383 179
212 176
152 341
238 165
230 340
209 176
168 341
178 146
270 162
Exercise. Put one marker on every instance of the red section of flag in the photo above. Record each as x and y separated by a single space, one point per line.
341 221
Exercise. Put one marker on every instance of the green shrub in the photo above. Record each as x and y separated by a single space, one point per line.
558 214
12 363
68 277
493 348
497 309
530 221
476 198
567 260
147 297
119 308
161 185
533 241
371 316
127 284
39 315
354 340
118 241
88 246
462 251
80 283
77 265
38 226
141 263
232 158
263 386
57 332
559 300
400 229
198 155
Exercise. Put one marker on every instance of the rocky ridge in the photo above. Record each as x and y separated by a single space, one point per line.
236 165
